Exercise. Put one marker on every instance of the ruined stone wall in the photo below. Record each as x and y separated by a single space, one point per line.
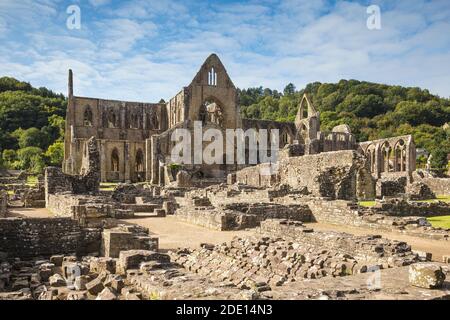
32 237
439 186
3 203
286 130
264 211
337 175
125 238
212 219
89 209
87 182
114 123
400 207
368 249
34 198
223 93
391 186
348 213
329 174
62 205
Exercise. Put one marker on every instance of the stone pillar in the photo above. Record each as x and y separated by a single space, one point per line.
103 159
410 159
126 159
148 160
154 160
378 160
123 114
334 146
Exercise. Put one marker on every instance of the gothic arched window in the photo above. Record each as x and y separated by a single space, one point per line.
87 117
115 160
212 77
112 119
139 165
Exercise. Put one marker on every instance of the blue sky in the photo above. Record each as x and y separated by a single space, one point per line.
144 50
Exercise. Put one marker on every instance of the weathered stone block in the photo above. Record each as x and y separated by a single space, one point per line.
131 259
57 281
77 296
80 282
115 282
116 240
95 286
103 264
57 260
160 213
426 275
107 294
170 207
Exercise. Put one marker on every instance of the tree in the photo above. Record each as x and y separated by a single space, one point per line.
439 161
37 164
7 141
11 84
289 90
55 153
28 157
9 158
57 123
32 137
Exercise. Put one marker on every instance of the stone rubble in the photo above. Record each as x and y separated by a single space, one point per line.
426 275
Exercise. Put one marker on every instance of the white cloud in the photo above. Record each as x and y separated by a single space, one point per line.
147 50
97 3
122 34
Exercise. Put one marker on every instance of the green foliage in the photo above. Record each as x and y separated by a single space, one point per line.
32 137
31 120
373 111
175 166
439 161
440 222
55 153
9 158
29 157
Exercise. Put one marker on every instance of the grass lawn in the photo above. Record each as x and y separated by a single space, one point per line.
367 204
445 198
108 186
32 181
440 222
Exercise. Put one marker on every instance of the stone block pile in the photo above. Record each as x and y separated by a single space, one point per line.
266 260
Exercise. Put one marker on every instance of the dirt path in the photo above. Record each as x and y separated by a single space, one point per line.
174 233
437 248
29 212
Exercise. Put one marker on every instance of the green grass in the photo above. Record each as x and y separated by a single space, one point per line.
367 204
440 222
32 181
108 186
443 198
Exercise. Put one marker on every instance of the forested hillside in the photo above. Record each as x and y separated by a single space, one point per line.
372 111
32 120
31 126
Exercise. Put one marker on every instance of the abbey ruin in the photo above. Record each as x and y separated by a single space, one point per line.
121 221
